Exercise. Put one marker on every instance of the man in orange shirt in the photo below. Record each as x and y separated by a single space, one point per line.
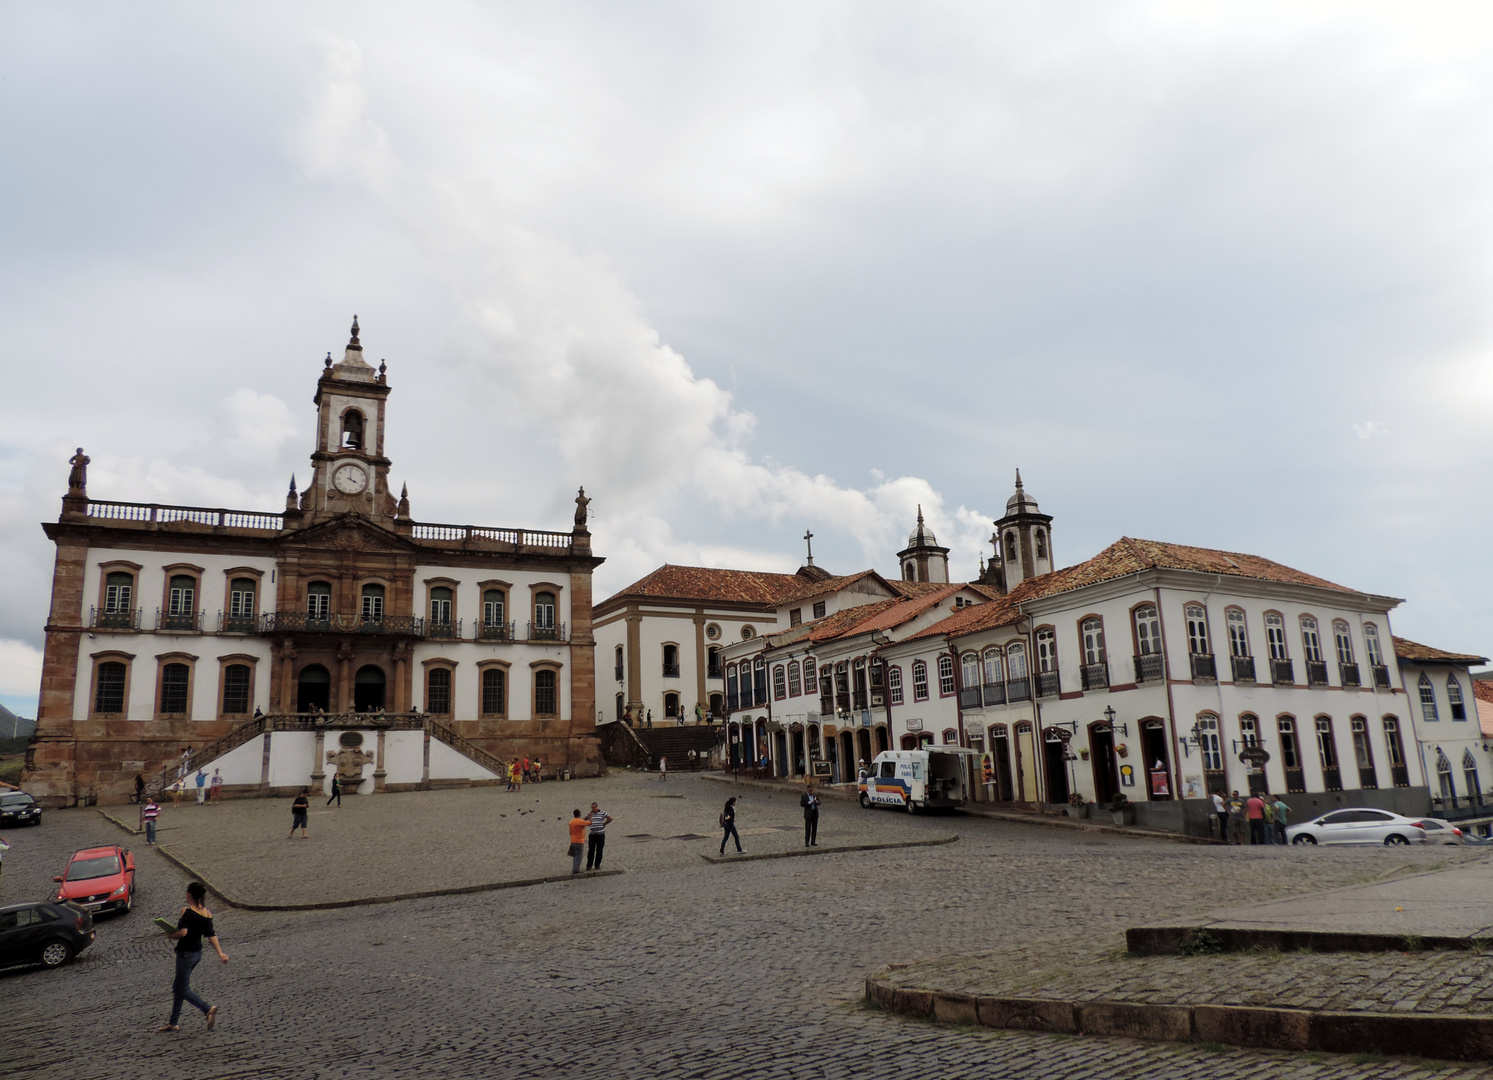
578 826
1254 807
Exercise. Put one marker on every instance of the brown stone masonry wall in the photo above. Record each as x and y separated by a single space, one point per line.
49 771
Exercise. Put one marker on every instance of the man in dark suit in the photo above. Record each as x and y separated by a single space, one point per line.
810 802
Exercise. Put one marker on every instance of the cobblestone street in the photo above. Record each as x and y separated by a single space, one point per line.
678 968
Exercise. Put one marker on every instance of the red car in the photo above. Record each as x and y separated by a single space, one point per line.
98 879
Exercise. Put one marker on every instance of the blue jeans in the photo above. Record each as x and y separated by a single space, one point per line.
150 831
181 989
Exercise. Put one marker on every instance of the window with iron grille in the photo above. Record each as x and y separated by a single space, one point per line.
495 693
176 681
236 688
438 692
108 694
545 697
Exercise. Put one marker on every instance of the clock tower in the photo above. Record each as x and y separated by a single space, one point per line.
349 472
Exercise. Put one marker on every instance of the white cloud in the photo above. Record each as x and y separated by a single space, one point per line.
259 426
20 669
1368 429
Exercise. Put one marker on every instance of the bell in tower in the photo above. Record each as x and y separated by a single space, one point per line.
923 559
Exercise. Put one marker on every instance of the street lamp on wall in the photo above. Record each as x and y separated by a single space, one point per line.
1109 718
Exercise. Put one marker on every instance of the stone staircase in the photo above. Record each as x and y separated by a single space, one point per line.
675 743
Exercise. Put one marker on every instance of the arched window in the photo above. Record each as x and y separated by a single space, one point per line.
176 685
894 685
919 681
1392 745
1208 743
1249 729
440 606
1327 752
108 689
1147 630
951 736
544 615
1197 630
945 676
671 661
1469 773
241 598
237 679
119 589
733 690
1047 650
1311 640
712 661
759 681
1016 662
621 707
1275 635
1011 547
318 602
1041 539
1427 698
969 671
1238 633
811 684
1454 698
1342 639
546 695
995 667
495 693
352 430
1363 752
438 691
1444 775
1371 644
795 679
494 614
373 603
1092 632
779 682
1290 750
617 670
671 706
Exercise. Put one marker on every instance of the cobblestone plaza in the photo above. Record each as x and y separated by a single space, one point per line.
676 968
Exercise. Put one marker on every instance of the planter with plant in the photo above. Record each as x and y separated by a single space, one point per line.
1120 810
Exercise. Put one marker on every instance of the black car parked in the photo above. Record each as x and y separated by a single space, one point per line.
50 934
18 808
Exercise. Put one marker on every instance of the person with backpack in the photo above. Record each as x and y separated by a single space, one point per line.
728 823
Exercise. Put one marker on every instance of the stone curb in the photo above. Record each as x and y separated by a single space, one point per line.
788 787
794 854
111 818
1168 940
1448 1037
359 901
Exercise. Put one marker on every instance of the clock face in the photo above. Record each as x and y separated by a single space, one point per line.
350 479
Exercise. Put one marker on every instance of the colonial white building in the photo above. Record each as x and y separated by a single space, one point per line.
1454 753
253 636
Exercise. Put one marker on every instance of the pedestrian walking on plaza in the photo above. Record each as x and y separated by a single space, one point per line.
201 787
526 768
186 763
139 796
597 841
1282 816
1267 812
298 811
1254 808
1222 813
663 768
810 802
728 823
1236 818
336 791
196 923
538 769
215 789
148 814
578 826
518 776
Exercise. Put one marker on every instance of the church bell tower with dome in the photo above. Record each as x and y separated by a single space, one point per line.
1023 542
923 559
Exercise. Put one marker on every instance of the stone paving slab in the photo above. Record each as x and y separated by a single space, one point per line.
463 839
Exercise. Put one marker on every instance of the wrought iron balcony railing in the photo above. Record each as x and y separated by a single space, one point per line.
994 693
1316 673
671 671
1148 667
497 631
539 632
1048 684
1018 690
969 698
1381 676
1095 676
188 622
1348 673
1282 672
119 619
237 624
1204 666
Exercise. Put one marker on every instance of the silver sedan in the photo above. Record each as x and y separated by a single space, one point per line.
1358 826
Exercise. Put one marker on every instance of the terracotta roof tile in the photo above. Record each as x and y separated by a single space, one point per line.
833 584
916 588
1482 689
1406 649
670 582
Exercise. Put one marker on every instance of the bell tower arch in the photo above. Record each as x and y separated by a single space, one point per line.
349 472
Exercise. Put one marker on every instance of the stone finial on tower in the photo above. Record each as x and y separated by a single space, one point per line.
403 512
353 342
328 362
383 369
292 500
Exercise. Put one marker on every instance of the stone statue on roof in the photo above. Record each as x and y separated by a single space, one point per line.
581 502
77 480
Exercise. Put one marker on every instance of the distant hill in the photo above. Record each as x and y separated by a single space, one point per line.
10 722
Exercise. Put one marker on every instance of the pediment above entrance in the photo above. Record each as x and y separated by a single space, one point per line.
348 533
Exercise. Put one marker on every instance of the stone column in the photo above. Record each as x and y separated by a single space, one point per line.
425 775
287 696
700 694
635 663
51 759
380 768
582 664
318 774
344 702
264 765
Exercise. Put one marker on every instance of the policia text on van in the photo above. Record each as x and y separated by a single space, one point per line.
933 777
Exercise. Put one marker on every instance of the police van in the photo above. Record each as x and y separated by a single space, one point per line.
932 777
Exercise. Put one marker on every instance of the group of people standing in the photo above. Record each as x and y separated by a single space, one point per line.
523 771
1260 817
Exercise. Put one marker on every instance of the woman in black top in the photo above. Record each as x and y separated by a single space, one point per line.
336 791
728 822
196 923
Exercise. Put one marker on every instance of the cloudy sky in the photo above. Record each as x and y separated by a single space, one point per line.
1210 273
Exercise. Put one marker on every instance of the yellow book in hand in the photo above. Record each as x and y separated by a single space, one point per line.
166 925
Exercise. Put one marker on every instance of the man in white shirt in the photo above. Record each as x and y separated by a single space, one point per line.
1223 817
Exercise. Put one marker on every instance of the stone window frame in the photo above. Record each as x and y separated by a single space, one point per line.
190 570
433 583
919 680
483 666
224 663
103 657
483 587
239 572
319 578
534 669
894 684
537 587
363 582
677 714
946 676
438 663
779 682
120 566
163 659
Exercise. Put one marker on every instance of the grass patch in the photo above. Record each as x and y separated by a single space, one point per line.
1414 943
1200 943
1369 1057
10 770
